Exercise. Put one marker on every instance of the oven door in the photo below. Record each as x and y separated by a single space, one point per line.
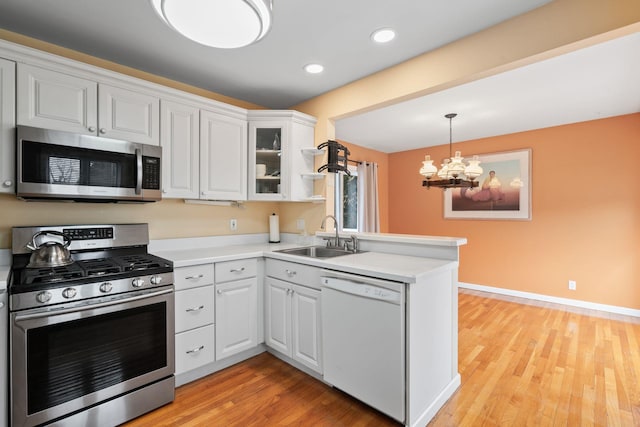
67 360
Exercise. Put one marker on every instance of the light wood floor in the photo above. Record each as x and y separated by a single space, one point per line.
522 364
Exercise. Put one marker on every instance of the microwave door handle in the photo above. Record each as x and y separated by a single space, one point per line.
139 171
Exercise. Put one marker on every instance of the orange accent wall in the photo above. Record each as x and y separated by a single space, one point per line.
585 222
382 159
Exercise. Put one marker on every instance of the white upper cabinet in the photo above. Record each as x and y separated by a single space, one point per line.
180 141
7 125
223 157
128 115
279 169
53 100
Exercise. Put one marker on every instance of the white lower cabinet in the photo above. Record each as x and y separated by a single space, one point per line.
194 317
195 348
292 315
236 306
236 317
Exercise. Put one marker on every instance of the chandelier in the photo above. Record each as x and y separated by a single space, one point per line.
225 24
453 170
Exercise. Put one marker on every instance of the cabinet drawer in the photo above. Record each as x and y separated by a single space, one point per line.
301 274
193 276
194 308
234 270
195 348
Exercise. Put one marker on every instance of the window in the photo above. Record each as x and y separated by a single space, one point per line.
348 190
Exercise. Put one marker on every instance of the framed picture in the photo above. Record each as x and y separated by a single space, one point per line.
504 190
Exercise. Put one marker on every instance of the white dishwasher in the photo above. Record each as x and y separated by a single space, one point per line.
364 339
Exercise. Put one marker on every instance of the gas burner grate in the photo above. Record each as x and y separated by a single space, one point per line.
52 274
99 266
137 262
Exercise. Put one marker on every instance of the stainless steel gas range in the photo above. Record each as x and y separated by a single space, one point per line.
91 325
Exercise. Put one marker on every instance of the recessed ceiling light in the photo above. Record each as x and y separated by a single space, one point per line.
383 35
313 68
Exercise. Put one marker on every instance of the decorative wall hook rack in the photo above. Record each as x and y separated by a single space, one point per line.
337 157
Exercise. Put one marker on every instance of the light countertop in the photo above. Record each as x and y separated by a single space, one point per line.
401 268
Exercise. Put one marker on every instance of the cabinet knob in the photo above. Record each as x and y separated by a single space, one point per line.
103 131
7 183
219 292
91 128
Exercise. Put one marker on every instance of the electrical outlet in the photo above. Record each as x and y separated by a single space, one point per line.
572 285
300 224
233 224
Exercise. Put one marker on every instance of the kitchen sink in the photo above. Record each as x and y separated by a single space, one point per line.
316 252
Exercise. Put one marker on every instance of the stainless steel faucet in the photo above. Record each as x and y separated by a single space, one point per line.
336 244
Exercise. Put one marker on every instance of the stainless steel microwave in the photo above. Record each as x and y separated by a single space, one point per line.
60 165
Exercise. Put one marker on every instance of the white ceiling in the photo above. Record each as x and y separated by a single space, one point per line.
269 73
591 83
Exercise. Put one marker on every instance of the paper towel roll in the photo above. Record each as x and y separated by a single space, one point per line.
274 228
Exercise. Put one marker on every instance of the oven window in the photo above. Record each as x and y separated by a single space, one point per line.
69 360
59 164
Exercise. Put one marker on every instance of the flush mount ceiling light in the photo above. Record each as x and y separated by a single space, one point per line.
313 68
225 24
452 169
383 35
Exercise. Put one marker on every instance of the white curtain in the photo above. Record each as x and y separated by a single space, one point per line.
368 212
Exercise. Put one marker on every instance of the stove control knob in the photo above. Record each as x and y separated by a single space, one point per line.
106 287
156 280
69 293
43 297
137 283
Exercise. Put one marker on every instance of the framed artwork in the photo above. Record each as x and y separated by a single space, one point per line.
504 190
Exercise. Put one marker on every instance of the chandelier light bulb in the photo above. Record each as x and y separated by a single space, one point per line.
453 168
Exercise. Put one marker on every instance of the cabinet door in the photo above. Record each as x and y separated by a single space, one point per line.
306 327
52 100
278 315
268 174
129 115
7 126
236 317
223 157
180 141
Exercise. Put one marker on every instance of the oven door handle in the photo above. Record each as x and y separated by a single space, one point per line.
21 317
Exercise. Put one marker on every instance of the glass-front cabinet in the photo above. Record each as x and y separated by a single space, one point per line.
268 161
279 169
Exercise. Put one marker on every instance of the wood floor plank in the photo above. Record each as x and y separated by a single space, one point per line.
522 363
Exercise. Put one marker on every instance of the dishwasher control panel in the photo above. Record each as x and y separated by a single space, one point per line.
362 289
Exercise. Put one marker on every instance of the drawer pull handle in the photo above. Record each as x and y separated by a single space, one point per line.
290 272
189 310
195 350
237 270
199 276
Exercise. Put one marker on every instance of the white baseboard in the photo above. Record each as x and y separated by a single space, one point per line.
557 300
